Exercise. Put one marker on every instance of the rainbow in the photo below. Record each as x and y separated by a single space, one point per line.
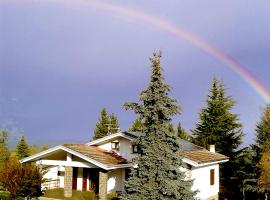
178 31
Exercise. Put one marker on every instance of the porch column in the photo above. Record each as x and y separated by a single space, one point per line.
68 178
103 177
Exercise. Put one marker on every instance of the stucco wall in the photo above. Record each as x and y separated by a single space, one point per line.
201 178
125 148
116 180
52 174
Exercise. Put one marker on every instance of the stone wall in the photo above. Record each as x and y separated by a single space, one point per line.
68 182
215 197
103 177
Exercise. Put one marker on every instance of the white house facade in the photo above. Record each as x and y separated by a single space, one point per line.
103 165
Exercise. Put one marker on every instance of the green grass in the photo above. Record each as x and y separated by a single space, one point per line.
76 195
3 195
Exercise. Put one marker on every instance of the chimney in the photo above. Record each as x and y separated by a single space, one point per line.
212 148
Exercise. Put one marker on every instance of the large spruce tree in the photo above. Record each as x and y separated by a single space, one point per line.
219 126
157 174
22 149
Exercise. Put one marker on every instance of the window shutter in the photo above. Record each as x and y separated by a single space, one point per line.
212 176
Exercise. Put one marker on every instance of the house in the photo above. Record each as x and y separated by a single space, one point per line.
102 165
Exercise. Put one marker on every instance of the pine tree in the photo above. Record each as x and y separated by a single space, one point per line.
262 133
219 126
181 133
157 174
4 151
22 149
137 126
102 125
113 124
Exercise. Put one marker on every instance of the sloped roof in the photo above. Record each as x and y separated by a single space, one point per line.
204 156
192 152
102 156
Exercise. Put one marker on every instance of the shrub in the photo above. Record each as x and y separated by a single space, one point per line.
21 180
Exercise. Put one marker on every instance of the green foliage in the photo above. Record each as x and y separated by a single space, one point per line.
101 129
22 149
219 126
170 128
114 124
181 133
262 133
107 124
4 151
21 180
259 158
157 174
33 149
137 126
264 167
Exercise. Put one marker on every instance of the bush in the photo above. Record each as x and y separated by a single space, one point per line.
4 195
112 196
21 180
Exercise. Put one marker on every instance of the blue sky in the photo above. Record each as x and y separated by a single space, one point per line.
61 63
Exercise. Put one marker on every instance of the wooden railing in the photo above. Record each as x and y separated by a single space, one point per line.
51 184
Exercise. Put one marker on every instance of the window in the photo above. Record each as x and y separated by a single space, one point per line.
127 173
115 145
212 177
134 149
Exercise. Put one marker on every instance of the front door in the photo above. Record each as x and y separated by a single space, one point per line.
94 179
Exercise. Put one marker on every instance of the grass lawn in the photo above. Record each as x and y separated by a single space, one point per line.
76 195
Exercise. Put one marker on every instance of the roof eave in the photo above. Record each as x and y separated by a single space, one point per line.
109 137
60 147
198 164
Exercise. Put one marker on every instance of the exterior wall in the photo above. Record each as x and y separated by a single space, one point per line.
106 146
79 178
201 177
116 180
125 148
52 174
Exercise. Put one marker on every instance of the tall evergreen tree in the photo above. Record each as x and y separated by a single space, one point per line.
22 149
102 125
113 124
264 167
137 126
262 133
259 150
219 126
157 174
181 133
4 151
